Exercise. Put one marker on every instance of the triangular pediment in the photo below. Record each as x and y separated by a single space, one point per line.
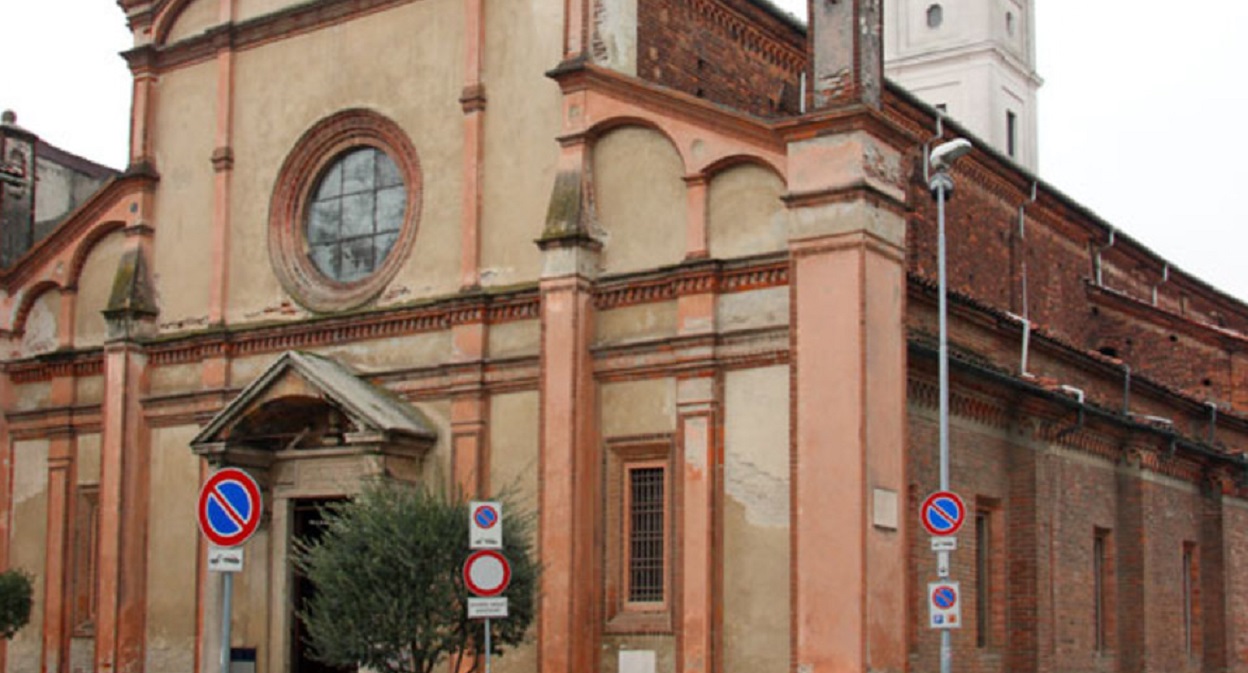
306 400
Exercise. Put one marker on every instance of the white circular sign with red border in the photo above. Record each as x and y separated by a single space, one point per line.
229 507
487 573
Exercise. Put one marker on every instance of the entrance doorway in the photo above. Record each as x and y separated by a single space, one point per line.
306 525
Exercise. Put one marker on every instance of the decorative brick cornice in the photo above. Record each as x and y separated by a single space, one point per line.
698 277
54 365
750 36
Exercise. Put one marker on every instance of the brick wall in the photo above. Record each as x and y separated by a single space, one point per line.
730 52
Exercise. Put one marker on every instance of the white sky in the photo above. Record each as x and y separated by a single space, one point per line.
1138 113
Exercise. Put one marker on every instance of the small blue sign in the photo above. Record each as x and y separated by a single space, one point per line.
486 516
944 597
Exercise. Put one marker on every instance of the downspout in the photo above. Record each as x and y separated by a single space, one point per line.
1100 282
1165 278
1022 256
1213 421
927 146
1126 386
1078 393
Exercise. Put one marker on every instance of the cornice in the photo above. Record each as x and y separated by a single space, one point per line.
697 277
297 19
1155 315
579 75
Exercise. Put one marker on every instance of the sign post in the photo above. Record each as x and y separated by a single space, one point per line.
487 574
228 513
942 514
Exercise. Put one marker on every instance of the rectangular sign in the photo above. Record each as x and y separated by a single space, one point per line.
485 525
944 544
487 608
944 602
225 559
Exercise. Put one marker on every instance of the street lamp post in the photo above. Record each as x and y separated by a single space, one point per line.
941 184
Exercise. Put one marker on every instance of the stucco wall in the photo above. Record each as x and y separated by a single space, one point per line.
636 323
521 123
40 334
744 213
183 135
411 73
513 469
638 407
172 551
512 339
756 552
195 18
28 544
94 286
641 200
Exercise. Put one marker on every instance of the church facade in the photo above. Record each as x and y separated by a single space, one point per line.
664 268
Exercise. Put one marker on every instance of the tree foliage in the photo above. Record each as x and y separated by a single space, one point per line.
389 592
16 600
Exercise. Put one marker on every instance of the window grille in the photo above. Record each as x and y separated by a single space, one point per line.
646 534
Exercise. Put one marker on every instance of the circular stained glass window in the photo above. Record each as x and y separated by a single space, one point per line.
355 214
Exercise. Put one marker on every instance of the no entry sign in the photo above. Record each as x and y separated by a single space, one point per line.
942 513
229 507
487 573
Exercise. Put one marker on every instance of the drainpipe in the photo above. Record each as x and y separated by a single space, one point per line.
1023 357
1165 277
1213 421
1078 393
1126 385
927 146
1022 255
1097 258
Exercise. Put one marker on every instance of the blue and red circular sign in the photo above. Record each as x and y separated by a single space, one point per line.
487 573
485 516
944 597
942 513
229 507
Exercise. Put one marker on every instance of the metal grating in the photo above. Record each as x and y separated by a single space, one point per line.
645 534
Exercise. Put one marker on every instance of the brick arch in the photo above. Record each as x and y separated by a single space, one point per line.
29 298
86 245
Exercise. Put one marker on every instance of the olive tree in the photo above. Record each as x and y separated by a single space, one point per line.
389 592
16 599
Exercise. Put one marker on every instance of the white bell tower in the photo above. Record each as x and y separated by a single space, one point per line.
975 59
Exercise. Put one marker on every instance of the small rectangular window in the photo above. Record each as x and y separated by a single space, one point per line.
983 578
1011 134
646 533
86 524
1101 584
1191 599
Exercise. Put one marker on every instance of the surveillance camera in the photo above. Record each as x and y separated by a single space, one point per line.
945 154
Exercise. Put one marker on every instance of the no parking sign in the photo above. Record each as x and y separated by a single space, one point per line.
229 507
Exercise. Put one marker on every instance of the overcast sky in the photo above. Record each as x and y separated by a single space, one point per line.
1139 113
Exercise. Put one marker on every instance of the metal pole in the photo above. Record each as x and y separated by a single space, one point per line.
487 645
227 591
946 642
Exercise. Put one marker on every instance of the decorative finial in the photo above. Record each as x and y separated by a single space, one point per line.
8 118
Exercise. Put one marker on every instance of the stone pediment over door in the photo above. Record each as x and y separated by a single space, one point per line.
311 414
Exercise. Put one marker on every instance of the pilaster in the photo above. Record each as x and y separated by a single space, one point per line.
569 616
699 465
848 348
56 560
124 466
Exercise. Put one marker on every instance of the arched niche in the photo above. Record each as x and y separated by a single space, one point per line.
95 282
640 198
744 213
